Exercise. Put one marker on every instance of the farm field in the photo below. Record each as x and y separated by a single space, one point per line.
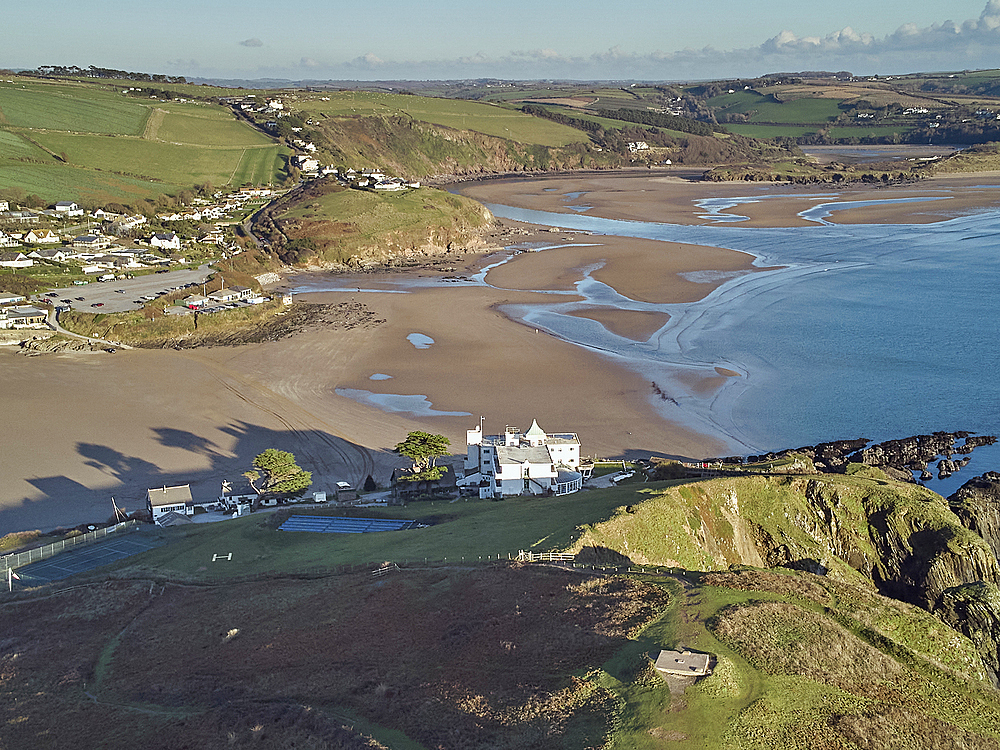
766 110
453 113
606 122
89 142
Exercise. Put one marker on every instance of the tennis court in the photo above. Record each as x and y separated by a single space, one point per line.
332 525
82 559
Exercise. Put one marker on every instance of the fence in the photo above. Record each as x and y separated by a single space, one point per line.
18 559
523 556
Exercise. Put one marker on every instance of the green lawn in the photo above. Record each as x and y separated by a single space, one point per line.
460 114
462 531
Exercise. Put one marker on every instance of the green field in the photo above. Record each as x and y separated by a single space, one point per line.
70 107
453 113
161 162
463 531
771 131
213 128
765 109
88 142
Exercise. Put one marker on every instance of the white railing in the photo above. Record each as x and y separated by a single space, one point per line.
18 559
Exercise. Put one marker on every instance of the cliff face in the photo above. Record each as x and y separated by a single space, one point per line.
903 539
977 505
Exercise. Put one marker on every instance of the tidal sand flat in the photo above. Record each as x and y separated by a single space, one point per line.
690 339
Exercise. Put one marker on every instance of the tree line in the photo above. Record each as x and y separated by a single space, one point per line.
92 71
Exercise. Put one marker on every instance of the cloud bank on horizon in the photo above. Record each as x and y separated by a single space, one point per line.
948 45
523 39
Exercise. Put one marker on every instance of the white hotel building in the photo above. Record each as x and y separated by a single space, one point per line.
533 463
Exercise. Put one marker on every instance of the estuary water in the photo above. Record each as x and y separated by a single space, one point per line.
875 331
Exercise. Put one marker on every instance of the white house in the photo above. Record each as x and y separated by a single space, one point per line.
68 208
22 316
41 236
14 259
532 463
168 241
160 501
49 253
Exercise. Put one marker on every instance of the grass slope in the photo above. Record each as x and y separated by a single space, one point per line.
457 114
91 143
345 223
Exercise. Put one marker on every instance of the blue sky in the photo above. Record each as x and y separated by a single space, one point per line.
437 39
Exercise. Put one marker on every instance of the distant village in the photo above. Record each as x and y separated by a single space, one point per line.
306 162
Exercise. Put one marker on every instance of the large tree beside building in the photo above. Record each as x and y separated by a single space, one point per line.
424 449
275 473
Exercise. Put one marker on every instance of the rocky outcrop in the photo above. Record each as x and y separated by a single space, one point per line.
973 609
899 459
977 505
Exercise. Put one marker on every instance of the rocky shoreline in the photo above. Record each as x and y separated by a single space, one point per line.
899 459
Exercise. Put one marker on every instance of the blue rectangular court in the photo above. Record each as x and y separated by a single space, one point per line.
83 559
336 525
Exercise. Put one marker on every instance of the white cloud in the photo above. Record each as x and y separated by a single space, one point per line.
947 45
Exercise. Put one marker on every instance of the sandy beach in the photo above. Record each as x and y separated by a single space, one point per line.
89 426
674 199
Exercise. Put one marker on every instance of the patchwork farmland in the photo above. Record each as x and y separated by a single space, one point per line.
98 143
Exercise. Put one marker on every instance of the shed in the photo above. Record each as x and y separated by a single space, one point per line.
682 663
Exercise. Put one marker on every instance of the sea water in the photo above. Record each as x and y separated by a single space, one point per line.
875 331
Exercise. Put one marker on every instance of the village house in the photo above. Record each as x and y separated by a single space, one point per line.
41 237
168 241
48 253
68 208
160 501
7 240
11 299
91 242
532 463
4 206
23 217
15 259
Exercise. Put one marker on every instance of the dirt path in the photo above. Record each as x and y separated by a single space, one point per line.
153 123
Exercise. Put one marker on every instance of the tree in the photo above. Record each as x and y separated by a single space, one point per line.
424 449
278 474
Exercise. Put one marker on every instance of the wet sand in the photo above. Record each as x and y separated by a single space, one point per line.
86 427
663 197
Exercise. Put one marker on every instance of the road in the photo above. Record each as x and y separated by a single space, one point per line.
103 296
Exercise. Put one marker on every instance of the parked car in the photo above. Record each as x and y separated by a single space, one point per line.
98 304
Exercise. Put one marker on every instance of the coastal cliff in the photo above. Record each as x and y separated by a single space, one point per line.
860 527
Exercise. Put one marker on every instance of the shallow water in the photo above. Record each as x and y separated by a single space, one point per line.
875 331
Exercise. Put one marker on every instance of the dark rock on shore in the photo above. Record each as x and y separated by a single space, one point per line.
897 458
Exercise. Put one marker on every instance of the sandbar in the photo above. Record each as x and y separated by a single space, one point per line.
673 197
